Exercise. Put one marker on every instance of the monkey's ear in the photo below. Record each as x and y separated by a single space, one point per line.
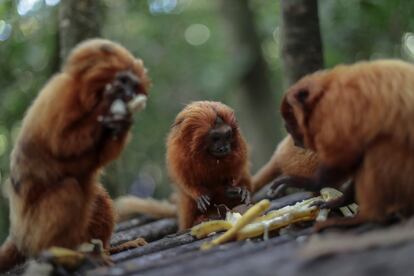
302 95
177 123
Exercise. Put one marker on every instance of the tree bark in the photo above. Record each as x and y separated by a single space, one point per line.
301 39
78 20
258 96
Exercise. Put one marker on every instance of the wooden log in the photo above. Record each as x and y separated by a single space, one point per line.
132 223
187 258
150 232
156 246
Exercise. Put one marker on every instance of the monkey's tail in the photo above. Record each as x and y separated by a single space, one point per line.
10 256
127 206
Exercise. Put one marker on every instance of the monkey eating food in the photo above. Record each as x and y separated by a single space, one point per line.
78 123
207 161
358 120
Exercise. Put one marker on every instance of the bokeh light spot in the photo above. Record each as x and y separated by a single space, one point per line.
408 44
3 144
5 30
162 6
197 34
52 2
25 6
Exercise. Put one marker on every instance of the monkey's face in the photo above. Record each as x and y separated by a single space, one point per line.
298 105
125 85
220 138
102 67
208 130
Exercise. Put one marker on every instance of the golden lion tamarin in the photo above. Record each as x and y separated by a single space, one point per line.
78 123
207 160
358 119
291 162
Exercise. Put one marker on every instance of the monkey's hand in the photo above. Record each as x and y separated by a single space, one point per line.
241 192
203 202
117 117
280 184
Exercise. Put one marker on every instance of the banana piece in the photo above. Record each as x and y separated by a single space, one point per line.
204 229
64 257
248 217
137 104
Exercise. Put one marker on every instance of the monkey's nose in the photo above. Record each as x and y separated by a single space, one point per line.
225 149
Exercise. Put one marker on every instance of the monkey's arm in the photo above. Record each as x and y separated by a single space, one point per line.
197 192
242 189
325 177
267 173
10 256
72 130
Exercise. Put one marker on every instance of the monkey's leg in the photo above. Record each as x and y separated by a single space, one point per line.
187 211
10 256
59 217
102 221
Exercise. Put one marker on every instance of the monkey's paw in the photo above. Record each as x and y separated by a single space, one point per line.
241 192
321 204
116 126
117 118
203 202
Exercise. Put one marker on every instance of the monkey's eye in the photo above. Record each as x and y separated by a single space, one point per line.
302 95
215 137
228 134
123 79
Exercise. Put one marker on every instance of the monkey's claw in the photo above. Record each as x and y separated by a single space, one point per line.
277 190
245 195
321 204
203 202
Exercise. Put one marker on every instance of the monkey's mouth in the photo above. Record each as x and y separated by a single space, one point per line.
126 93
221 151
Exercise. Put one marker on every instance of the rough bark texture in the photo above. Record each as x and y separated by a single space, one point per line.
258 96
301 39
79 20
150 232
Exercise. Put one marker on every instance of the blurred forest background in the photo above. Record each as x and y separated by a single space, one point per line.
225 50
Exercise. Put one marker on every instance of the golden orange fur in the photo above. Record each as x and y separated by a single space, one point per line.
288 160
359 120
193 170
55 196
